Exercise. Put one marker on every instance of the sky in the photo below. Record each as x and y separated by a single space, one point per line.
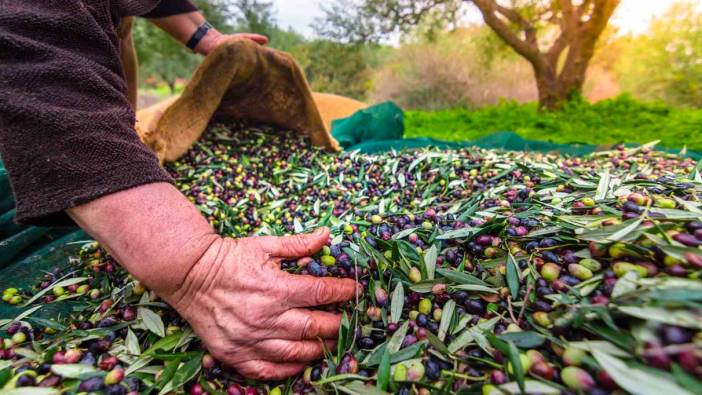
632 16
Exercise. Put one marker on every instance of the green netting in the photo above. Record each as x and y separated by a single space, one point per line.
27 252
380 128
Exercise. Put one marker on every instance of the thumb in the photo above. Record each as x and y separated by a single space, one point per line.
296 246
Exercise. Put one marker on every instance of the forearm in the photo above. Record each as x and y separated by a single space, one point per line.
182 26
152 230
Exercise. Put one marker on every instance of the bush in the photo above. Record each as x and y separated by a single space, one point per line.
608 122
464 68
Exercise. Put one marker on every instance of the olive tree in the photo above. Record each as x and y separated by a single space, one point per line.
557 37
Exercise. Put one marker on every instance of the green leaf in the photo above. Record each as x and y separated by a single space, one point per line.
383 375
358 388
474 288
397 303
73 371
446 317
5 373
404 233
151 321
437 343
601 346
396 340
459 234
31 391
523 339
471 334
430 258
625 284
517 368
166 344
608 234
461 277
530 387
186 372
686 318
686 380
167 374
60 283
603 186
27 313
512 276
132 343
635 380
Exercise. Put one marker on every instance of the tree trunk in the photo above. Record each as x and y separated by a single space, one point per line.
554 90
171 86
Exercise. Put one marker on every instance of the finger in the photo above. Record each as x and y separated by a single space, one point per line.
263 40
296 246
265 370
301 324
278 350
307 291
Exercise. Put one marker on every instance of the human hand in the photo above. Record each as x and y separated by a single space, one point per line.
213 39
251 315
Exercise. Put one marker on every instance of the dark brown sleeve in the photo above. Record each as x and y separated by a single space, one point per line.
66 127
171 7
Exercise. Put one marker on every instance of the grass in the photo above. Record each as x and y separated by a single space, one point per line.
619 120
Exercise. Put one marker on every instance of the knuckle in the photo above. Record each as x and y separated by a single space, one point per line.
290 352
323 293
309 328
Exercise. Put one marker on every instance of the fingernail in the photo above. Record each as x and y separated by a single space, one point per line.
318 232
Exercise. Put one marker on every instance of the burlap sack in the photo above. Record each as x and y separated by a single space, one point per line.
241 80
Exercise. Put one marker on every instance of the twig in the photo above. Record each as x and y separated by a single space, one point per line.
524 303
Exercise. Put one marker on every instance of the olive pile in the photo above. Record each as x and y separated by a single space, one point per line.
484 273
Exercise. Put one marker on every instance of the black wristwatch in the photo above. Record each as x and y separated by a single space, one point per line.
198 35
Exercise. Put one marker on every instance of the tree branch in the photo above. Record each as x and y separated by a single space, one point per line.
529 47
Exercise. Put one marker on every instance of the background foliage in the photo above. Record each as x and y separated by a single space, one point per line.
476 83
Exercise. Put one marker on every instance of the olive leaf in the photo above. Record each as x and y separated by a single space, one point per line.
473 288
186 372
461 277
636 380
404 233
512 276
530 387
132 343
687 318
383 375
396 340
524 340
459 234
446 317
151 321
73 371
31 391
397 303
430 257
59 283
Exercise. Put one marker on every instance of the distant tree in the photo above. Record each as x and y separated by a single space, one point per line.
557 37
255 16
666 62
335 67
162 57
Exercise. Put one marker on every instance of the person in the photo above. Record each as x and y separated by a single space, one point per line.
68 142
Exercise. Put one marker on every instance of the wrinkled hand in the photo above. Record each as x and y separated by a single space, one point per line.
251 315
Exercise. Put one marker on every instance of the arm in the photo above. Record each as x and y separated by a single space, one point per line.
67 138
261 328
182 26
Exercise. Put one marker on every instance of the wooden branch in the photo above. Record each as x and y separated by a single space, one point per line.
528 47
